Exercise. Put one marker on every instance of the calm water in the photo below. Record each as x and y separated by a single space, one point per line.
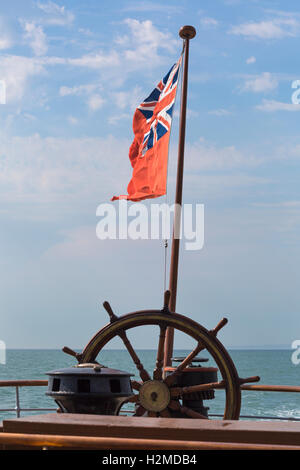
273 366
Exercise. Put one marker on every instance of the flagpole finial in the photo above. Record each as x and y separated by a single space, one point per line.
187 32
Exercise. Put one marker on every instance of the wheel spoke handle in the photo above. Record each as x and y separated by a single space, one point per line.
70 351
219 326
255 378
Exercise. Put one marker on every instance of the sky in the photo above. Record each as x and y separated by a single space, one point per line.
74 73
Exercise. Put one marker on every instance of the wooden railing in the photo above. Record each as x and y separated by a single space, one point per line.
23 383
272 388
44 383
16 440
86 442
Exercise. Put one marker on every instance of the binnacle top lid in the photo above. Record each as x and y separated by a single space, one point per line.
187 32
93 370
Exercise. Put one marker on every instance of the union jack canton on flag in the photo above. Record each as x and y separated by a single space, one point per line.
148 153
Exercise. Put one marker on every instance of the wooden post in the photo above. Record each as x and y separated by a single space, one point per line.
186 33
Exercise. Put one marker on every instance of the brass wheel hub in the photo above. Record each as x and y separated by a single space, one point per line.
154 396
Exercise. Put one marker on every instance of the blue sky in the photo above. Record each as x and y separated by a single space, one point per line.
75 72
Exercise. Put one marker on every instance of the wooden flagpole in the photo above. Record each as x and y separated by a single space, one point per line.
186 33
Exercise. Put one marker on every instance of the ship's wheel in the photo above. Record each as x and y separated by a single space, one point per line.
158 395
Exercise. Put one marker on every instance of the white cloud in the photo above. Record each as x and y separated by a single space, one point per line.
36 38
220 112
215 185
73 120
284 204
5 36
79 242
206 156
151 6
132 51
273 106
5 43
91 91
113 120
126 101
85 31
95 102
129 99
96 60
16 71
77 90
282 25
52 176
251 60
208 22
263 83
123 99
262 30
39 171
144 42
56 15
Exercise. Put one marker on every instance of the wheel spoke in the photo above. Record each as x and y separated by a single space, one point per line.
140 411
170 379
176 392
165 413
179 391
143 373
135 385
191 413
158 371
174 405
132 399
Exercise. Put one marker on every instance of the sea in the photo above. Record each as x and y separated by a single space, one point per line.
273 366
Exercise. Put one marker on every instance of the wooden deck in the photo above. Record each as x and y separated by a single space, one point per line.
158 429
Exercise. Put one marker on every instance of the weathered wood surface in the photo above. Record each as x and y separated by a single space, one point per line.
259 432
39 441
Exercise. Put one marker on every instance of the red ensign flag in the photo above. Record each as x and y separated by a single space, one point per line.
148 153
